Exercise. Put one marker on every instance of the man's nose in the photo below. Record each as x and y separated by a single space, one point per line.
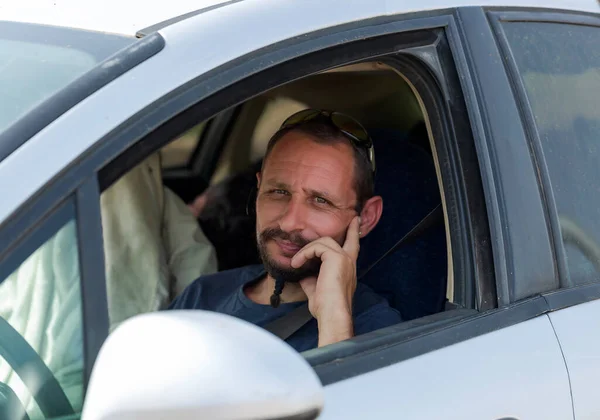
293 217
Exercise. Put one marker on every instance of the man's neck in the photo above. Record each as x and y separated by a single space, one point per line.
261 291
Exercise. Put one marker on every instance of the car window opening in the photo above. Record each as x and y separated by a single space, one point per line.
412 278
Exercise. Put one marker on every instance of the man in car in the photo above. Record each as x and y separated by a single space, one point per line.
315 200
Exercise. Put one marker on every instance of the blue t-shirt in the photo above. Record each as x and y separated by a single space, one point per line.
224 292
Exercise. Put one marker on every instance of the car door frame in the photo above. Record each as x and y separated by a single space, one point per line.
37 222
571 305
480 80
567 294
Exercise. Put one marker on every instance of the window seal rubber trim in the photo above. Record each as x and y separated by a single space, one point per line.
103 73
567 17
93 283
565 298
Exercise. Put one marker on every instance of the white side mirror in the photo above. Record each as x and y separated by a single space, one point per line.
199 365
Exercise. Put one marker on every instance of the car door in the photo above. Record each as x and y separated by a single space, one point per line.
515 370
556 64
44 341
478 360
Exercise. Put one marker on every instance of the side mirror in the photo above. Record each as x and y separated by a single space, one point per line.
199 365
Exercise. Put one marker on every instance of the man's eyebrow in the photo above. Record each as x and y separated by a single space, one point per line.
277 184
273 183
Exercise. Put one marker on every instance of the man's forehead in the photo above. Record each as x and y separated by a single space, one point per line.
328 168
299 147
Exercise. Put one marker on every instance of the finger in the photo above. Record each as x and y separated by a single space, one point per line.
328 241
351 245
313 250
309 286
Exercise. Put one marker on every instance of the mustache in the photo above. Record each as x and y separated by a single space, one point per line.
276 233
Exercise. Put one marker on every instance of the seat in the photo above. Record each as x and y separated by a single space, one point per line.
413 278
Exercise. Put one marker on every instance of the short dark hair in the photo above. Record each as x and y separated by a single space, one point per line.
323 132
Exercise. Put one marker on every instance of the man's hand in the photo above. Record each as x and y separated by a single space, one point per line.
330 296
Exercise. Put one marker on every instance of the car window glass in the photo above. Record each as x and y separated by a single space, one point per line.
41 330
560 68
22 62
36 61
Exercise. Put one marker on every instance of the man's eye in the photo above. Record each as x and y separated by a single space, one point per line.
279 192
321 200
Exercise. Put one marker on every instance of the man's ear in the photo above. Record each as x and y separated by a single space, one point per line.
258 180
370 215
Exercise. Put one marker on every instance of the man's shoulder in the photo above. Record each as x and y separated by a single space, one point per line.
365 298
372 311
214 286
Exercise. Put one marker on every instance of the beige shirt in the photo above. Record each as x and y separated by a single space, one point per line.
154 245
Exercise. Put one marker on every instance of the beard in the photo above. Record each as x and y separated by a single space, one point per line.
279 272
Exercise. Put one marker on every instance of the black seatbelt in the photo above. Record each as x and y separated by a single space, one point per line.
429 220
291 322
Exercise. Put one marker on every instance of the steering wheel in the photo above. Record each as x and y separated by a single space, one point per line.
34 373
573 234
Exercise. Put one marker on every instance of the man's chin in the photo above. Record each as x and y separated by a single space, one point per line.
289 274
278 264
281 259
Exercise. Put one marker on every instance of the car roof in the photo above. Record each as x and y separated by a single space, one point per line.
125 17
139 17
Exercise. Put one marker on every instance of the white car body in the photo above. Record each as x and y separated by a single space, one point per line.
543 368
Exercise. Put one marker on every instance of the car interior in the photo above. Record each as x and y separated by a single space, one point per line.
221 157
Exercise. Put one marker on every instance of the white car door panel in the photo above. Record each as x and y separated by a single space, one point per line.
578 331
513 373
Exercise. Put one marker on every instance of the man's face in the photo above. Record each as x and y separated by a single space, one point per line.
306 191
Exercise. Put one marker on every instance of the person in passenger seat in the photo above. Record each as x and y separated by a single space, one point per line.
315 201
154 247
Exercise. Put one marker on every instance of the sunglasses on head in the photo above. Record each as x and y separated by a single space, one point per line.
347 125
